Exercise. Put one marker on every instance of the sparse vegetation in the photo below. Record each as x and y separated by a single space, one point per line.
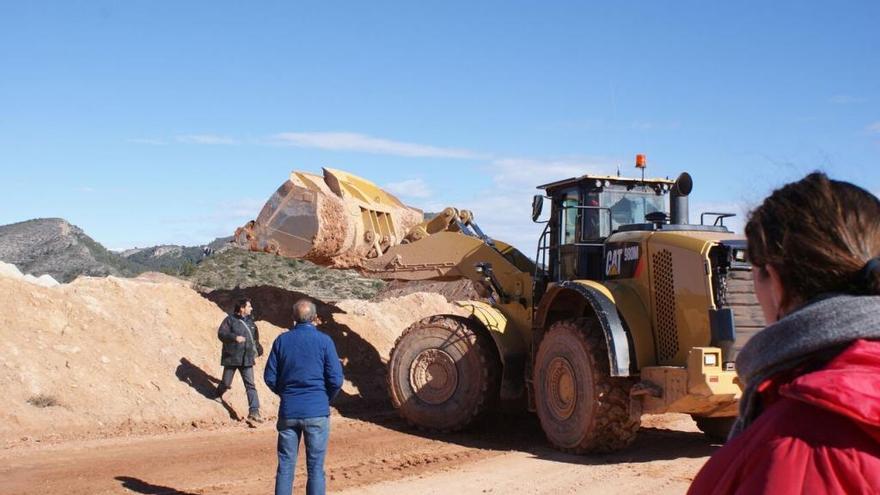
42 401
237 268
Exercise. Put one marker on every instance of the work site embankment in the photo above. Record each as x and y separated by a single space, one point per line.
110 356
364 332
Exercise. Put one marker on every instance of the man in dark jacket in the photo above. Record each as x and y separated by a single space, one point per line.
304 370
241 346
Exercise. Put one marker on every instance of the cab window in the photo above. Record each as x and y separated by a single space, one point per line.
568 217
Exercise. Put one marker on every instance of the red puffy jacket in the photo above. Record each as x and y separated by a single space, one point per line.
818 433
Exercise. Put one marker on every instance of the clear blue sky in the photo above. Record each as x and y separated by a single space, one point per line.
149 122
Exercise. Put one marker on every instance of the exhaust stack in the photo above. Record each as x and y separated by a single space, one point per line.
678 199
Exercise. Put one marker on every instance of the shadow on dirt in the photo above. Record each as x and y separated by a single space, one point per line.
501 432
362 365
521 432
140 486
202 382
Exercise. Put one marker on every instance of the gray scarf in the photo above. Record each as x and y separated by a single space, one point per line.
821 325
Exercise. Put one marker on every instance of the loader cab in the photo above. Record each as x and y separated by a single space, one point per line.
584 211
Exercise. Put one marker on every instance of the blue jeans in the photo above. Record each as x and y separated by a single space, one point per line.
316 432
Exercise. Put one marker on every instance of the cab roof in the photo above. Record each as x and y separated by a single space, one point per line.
611 178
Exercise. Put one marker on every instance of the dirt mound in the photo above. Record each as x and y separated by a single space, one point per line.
363 331
108 356
382 322
454 290
162 278
12 271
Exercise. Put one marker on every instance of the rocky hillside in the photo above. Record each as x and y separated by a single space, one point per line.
55 247
173 259
234 268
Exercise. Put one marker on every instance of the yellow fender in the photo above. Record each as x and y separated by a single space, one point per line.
577 298
510 343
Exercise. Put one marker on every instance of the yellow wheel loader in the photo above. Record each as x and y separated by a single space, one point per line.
627 309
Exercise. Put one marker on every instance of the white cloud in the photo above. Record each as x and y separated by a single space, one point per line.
350 141
873 128
504 211
518 173
846 99
410 188
86 189
647 125
154 142
223 217
241 208
205 139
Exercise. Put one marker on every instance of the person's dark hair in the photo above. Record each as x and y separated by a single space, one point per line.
239 305
820 235
304 311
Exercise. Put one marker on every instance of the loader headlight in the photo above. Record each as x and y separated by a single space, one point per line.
710 359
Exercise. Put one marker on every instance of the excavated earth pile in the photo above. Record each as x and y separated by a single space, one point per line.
110 356
364 332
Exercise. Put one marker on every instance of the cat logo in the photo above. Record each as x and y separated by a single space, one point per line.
621 260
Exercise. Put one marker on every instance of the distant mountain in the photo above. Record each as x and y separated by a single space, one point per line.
173 259
55 247
169 258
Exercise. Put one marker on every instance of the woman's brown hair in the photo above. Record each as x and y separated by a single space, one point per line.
820 235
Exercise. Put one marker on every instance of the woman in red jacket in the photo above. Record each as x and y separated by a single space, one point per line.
809 417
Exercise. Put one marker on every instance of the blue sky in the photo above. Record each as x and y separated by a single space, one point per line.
172 122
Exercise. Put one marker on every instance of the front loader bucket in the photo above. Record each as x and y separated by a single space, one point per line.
336 220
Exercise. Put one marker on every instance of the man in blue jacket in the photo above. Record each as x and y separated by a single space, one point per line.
304 370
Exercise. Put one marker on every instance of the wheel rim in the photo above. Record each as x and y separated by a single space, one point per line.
560 386
433 376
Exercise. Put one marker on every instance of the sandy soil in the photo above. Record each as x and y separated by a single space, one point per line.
109 384
372 455
109 356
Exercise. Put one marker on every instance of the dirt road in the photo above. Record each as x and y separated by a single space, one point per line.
375 455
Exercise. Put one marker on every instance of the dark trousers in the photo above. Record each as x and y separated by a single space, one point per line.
247 376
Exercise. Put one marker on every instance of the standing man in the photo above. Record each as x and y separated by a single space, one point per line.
241 346
304 370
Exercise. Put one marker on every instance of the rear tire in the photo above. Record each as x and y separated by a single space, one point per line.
443 373
581 407
715 429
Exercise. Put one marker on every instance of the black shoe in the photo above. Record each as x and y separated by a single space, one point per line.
218 394
254 419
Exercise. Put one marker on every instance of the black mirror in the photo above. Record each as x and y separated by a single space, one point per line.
537 207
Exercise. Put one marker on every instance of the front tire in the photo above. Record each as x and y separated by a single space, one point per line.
443 373
581 407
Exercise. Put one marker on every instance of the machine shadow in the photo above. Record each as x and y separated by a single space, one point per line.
361 362
499 431
140 486
521 432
